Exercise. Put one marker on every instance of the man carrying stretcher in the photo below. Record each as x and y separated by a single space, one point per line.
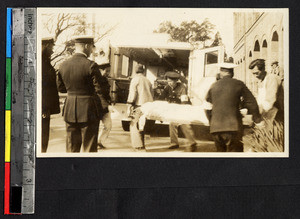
176 92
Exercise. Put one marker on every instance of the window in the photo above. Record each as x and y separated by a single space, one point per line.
275 36
210 64
211 58
256 46
125 66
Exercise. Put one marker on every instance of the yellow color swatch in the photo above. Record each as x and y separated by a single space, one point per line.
7 135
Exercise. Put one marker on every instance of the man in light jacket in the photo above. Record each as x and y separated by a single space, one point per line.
140 92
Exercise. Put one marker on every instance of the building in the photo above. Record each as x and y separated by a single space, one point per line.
257 35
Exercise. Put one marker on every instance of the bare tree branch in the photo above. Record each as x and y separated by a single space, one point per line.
59 54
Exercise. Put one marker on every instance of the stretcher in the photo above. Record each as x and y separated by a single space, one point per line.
183 114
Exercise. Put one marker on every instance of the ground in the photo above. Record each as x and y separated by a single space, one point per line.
119 140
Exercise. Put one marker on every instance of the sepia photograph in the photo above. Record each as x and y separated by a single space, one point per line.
162 82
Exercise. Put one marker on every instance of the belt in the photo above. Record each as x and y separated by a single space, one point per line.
80 94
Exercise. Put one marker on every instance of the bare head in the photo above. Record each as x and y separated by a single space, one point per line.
257 67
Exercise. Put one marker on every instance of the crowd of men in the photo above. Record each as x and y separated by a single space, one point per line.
88 98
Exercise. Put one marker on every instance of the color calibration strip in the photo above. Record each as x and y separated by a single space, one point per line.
20 114
8 113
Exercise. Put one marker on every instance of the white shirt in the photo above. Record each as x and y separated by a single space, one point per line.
267 92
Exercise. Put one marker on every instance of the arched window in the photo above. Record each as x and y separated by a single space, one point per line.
250 54
275 36
274 47
256 46
265 44
264 50
256 50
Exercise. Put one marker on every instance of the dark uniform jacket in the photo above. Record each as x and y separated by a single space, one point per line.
50 99
81 79
225 96
173 95
105 94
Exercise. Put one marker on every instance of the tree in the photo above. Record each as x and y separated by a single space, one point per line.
63 26
191 31
218 40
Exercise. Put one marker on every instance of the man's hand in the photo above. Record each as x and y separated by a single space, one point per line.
260 125
129 110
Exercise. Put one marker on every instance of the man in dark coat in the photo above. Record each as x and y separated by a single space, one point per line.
176 92
81 79
105 98
50 99
226 124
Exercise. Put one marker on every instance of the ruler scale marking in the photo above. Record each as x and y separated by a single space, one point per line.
17 105
29 112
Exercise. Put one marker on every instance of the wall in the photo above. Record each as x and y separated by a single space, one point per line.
254 38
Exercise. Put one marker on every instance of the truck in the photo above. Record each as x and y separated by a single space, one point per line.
198 68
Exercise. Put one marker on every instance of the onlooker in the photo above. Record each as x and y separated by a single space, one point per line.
176 92
225 119
81 79
140 92
270 92
106 124
277 70
50 99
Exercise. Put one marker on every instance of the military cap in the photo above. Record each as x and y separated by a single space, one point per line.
275 63
227 65
46 40
139 68
172 75
83 39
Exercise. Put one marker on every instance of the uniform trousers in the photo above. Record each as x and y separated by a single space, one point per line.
85 134
45 133
105 128
185 128
228 141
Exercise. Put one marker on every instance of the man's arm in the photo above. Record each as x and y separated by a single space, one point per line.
250 103
184 97
60 84
98 82
208 99
132 92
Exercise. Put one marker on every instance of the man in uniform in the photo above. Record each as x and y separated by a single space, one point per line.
225 118
176 92
50 100
105 98
270 92
140 92
81 79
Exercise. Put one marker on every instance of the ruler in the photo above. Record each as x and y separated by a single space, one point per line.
29 137
20 120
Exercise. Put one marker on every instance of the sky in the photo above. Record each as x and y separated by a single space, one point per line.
140 21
